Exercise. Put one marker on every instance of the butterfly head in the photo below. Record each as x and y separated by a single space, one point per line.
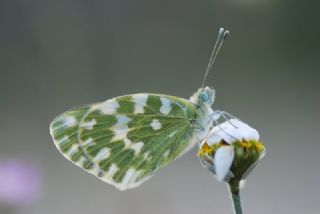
204 96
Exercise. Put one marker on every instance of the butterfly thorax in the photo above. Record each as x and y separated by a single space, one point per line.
203 99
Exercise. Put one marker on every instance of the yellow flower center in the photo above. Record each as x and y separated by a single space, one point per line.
244 144
259 146
205 150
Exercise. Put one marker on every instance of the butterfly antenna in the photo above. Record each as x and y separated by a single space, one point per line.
221 37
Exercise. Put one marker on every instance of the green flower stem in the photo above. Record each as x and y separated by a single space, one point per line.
235 196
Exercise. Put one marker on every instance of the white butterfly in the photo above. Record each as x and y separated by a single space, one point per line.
125 140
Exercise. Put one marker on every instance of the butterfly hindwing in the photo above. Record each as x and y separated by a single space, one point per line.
125 140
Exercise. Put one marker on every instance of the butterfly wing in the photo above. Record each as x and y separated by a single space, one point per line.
125 140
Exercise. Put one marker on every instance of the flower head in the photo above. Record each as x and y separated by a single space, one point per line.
231 150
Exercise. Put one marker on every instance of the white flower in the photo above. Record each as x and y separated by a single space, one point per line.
231 150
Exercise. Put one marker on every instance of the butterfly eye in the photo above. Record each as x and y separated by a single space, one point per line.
204 96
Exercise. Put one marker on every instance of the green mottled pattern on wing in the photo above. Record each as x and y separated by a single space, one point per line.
126 139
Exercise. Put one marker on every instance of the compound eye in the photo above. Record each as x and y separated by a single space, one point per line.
204 96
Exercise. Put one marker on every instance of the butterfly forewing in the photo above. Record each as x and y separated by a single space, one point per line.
123 141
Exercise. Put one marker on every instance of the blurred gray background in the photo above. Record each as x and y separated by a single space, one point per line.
55 55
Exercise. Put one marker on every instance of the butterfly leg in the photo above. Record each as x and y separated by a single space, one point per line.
226 116
218 125
216 115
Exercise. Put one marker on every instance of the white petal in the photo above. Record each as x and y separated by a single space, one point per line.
246 131
230 131
213 139
223 159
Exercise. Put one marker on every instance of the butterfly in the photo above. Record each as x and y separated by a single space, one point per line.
125 140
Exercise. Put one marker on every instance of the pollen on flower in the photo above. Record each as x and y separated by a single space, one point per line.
245 144
205 150
252 144
259 146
